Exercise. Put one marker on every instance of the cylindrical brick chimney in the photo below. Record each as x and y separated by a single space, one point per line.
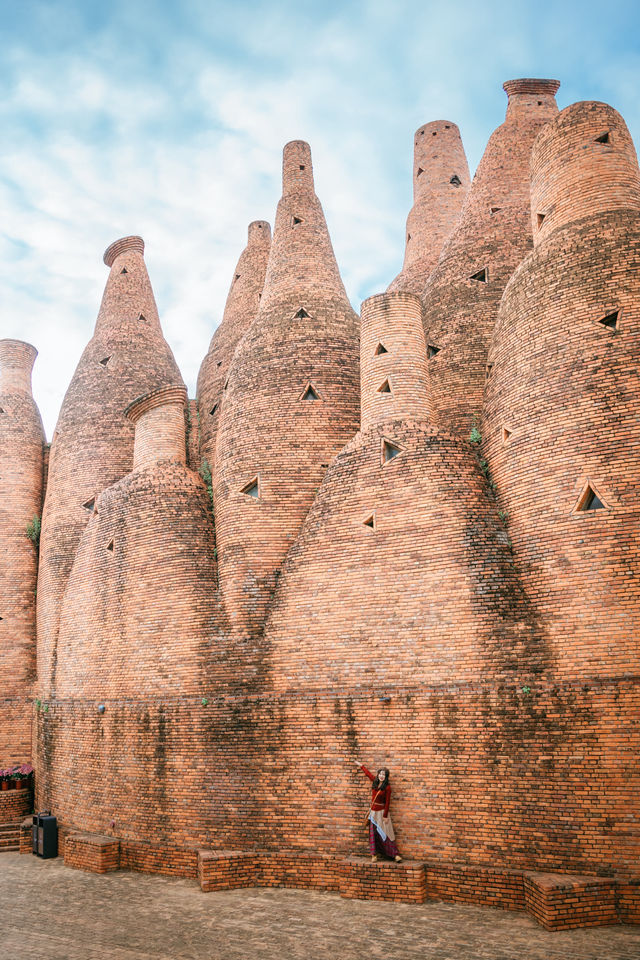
393 360
160 427
16 363
297 169
583 163
118 247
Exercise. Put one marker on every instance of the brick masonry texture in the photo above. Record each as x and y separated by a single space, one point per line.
362 575
440 185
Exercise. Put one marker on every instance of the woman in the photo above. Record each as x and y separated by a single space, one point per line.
381 835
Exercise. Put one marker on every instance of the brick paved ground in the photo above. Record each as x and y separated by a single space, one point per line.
49 912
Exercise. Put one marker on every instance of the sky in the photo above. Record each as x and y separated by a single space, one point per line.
167 119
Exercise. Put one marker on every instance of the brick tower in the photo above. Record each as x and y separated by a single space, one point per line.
240 311
564 392
491 238
135 636
93 441
440 185
291 399
21 454
400 580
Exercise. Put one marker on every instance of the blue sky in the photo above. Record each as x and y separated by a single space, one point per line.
168 119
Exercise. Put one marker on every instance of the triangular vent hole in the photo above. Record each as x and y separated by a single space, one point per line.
432 351
506 433
310 394
2 410
301 314
455 180
611 320
385 388
481 275
603 138
110 546
124 270
389 451
90 504
237 276
419 172
104 361
370 522
142 318
495 209
590 500
380 349
540 218
213 409
251 489
296 220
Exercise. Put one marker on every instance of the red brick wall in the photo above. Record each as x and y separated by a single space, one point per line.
438 158
93 442
493 233
21 459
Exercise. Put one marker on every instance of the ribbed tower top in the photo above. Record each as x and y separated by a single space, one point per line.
297 168
160 426
258 232
16 363
122 246
528 94
583 163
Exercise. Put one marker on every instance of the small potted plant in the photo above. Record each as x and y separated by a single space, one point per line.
21 775
5 779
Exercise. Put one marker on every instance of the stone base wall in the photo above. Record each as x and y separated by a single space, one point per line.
15 804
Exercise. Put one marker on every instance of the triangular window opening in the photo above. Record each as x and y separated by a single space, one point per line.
408 237
603 138
213 409
110 546
301 314
455 180
482 275
380 349
104 361
590 500
237 276
370 522
251 489
219 363
124 270
2 410
90 504
296 220
142 318
432 351
385 388
310 393
389 451
611 320
489 369
540 218
495 209
419 172
506 433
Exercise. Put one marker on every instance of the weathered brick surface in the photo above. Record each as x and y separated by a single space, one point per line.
240 311
21 455
14 804
564 903
492 234
440 185
272 431
93 442
86 851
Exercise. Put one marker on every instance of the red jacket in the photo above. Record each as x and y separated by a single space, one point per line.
380 799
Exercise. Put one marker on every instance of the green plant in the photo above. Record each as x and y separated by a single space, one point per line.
33 531
526 690
504 515
38 704
475 436
205 473
204 701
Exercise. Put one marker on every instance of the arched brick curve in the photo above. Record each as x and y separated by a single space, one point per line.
273 431
21 462
240 310
492 234
567 390
93 441
440 185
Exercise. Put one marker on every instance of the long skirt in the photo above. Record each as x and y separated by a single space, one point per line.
382 845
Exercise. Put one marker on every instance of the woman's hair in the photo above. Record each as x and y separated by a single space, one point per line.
377 783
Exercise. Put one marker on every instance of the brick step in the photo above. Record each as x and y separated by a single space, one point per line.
11 848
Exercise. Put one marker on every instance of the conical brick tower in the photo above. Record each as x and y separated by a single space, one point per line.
291 399
563 397
400 580
440 185
492 237
21 456
93 441
239 313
